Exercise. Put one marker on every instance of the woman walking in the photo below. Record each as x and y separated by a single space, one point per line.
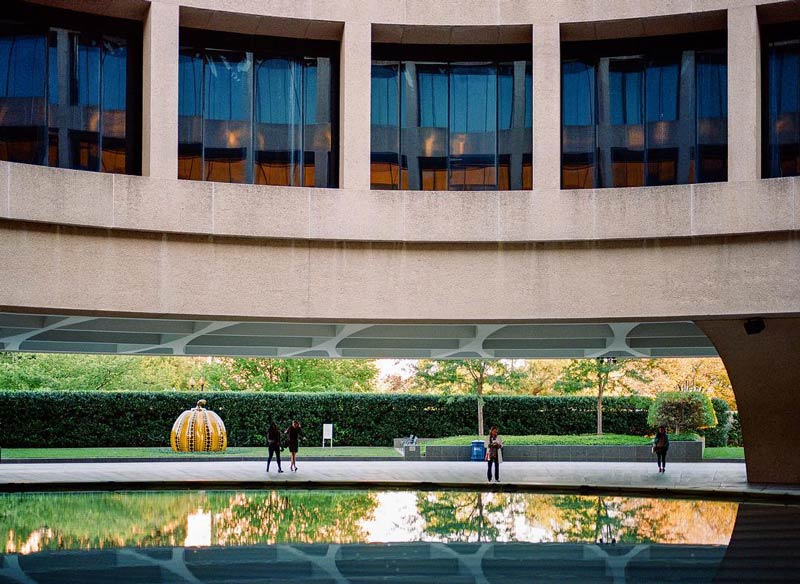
274 444
660 447
494 445
295 433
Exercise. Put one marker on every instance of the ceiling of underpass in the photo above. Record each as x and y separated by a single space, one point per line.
88 334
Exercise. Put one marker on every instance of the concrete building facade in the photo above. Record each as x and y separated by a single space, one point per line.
147 263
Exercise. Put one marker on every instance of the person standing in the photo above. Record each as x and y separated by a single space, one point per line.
494 446
274 445
660 447
295 433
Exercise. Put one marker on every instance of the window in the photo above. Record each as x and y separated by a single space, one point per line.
262 112
657 117
65 100
450 125
782 84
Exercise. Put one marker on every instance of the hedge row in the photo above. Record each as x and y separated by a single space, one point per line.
718 435
38 419
735 434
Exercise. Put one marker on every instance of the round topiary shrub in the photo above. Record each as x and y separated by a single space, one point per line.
682 411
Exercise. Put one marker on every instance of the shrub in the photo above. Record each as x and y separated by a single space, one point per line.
718 435
682 411
735 433
36 419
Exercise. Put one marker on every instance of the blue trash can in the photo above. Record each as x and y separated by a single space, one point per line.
478 450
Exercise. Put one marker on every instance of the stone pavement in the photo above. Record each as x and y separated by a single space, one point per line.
706 480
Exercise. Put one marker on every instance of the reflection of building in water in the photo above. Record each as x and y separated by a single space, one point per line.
198 528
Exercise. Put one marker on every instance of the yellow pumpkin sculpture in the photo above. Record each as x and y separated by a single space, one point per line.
198 430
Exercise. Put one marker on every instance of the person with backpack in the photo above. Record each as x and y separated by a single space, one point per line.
274 445
660 447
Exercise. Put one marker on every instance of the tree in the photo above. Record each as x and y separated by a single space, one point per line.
682 410
466 376
604 374
293 374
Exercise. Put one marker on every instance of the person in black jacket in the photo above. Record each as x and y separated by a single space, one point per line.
295 433
274 444
660 447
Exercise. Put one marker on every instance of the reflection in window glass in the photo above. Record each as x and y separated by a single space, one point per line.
712 116
473 127
23 91
620 135
423 126
783 89
318 159
278 127
190 115
115 59
384 134
578 127
657 120
226 130
256 117
63 99
462 126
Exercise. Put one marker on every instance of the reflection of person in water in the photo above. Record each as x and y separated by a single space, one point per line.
274 445
660 447
494 445
295 433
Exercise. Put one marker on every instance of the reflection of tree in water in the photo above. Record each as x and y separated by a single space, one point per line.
36 522
94 521
642 520
474 517
274 517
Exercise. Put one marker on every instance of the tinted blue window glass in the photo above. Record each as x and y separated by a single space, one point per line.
625 89
226 129
505 96
190 114
577 94
473 127
318 162
784 108
662 91
462 126
83 122
528 95
278 121
620 136
423 126
385 135
114 143
712 116
578 167
23 90
432 96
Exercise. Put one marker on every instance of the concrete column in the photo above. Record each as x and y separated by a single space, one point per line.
546 107
160 91
763 371
354 111
744 95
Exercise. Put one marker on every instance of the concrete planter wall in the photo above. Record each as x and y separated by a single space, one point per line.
678 452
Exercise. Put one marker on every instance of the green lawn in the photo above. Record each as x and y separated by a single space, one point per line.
724 452
168 453
543 439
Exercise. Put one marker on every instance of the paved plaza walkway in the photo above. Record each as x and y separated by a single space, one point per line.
708 480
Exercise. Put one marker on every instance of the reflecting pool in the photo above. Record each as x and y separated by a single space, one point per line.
390 536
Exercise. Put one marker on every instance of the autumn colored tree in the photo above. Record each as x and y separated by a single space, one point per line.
466 376
602 374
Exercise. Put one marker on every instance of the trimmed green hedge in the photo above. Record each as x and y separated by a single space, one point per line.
718 435
40 419
735 433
